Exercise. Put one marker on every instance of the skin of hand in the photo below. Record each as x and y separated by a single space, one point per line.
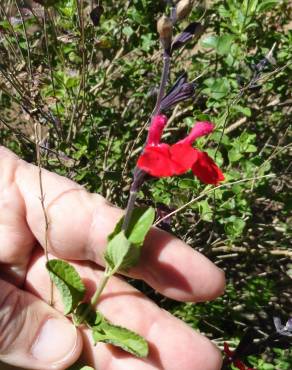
34 335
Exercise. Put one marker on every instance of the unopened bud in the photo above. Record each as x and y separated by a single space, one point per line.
164 28
183 9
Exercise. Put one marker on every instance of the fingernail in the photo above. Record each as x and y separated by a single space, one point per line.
56 341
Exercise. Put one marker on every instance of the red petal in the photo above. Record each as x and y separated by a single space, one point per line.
206 169
200 129
227 350
156 161
165 160
239 364
183 156
156 129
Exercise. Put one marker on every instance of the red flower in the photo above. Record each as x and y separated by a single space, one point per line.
163 160
206 169
231 359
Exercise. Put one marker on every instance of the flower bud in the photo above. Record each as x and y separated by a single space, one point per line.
183 9
164 28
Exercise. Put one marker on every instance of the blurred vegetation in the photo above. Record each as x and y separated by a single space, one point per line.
89 90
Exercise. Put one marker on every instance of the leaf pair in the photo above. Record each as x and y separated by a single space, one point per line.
72 292
123 251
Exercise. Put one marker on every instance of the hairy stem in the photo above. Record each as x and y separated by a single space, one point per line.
99 290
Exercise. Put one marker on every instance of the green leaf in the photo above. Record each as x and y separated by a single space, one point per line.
187 184
117 250
206 212
224 43
141 222
123 251
68 282
267 5
234 228
244 110
121 337
210 42
217 88
234 155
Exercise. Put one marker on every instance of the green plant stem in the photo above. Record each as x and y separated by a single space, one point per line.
96 295
102 284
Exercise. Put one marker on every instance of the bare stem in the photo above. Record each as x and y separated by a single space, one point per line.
37 132
206 192
97 294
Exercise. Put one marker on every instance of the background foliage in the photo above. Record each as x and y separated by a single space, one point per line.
91 88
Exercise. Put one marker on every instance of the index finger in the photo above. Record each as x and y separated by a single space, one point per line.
79 223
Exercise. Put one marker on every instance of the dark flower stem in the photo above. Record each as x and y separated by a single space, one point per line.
134 187
163 81
129 210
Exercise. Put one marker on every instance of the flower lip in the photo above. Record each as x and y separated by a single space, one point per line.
163 160
155 130
201 128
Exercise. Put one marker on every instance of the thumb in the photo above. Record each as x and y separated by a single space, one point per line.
32 334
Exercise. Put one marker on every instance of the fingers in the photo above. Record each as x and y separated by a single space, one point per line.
15 235
173 345
32 334
79 224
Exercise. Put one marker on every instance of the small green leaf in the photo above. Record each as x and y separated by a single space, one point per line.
224 44
234 155
187 184
120 337
267 5
123 251
234 228
206 212
141 222
87 368
68 282
244 110
117 250
210 42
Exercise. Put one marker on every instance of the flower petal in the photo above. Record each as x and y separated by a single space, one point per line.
227 350
156 161
206 169
156 128
200 129
239 364
164 160
183 156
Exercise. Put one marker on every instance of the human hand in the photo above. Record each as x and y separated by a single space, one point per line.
36 336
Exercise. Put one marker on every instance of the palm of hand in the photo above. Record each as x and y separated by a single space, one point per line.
79 223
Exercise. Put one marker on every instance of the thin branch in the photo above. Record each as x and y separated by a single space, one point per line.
203 194
37 131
